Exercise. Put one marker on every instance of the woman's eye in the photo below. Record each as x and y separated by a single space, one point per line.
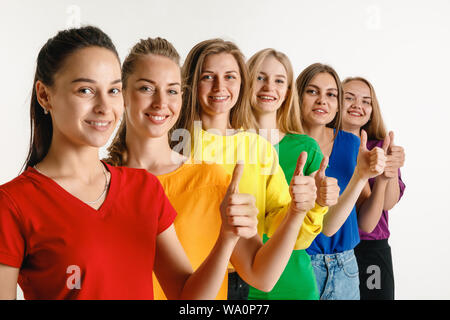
146 89
279 81
311 91
207 77
333 95
230 77
115 91
86 91
173 92
367 102
260 78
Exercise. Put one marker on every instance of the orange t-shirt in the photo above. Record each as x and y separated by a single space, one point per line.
196 191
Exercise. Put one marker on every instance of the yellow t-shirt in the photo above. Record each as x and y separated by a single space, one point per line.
262 177
196 191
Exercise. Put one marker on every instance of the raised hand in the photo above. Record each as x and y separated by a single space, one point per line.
327 187
238 210
395 158
371 163
302 188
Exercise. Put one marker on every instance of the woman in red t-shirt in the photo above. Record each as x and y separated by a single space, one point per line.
72 227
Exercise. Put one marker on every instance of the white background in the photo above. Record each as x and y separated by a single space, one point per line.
403 47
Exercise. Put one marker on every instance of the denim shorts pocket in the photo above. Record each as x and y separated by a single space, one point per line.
351 268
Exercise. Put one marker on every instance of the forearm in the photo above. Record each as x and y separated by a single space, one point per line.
270 260
205 282
392 193
370 211
338 213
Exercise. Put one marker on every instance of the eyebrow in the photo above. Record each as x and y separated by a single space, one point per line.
232 71
313 85
277 75
354 95
93 81
153 82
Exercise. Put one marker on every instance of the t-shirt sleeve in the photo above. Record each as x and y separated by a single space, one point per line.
315 157
167 213
12 243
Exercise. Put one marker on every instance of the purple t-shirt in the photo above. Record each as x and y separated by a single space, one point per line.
381 231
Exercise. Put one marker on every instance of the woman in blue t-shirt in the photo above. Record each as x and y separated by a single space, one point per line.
332 256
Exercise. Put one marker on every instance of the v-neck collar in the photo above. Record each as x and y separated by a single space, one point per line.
109 199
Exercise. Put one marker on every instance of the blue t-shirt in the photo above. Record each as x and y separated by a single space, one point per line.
341 166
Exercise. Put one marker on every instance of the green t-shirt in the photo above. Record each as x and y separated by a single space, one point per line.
297 282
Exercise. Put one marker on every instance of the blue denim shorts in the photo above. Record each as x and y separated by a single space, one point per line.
337 275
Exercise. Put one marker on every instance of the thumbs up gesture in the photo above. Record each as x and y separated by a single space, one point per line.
302 188
327 187
238 210
395 158
371 163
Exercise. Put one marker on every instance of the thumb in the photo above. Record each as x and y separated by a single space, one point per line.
323 166
363 144
391 136
236 178
387 142
300 164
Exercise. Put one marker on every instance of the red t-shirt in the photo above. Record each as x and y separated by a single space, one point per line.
65 249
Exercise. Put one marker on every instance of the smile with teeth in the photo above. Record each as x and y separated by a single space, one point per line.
98 123
320 111
218 98
355 114
267 98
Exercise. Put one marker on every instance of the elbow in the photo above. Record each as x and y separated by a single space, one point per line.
329 232
262 284
366 227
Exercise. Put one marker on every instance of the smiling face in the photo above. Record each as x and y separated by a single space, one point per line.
85 99
219 84
153 96
357 105
270 86
320 100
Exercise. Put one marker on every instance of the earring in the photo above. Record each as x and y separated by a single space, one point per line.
45 111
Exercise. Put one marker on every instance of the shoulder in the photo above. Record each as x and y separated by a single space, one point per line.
20 185
196 175
347 138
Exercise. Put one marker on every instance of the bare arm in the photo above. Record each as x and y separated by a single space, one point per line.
8 282
174 271
371 209
262 265
369 164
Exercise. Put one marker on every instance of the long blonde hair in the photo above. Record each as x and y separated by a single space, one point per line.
240 115
305 78
118 151
375 127
288 115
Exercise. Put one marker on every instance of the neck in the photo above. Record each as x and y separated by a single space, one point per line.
321 133
66 159
152 154
352 129
219 122
268 126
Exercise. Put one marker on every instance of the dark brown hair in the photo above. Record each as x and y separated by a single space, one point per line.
50 59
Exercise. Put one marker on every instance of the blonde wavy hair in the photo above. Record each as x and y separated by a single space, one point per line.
288 115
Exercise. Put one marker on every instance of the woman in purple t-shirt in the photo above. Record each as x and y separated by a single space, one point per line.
361 111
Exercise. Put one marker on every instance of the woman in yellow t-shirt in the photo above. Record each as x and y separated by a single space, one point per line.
216 110
152 95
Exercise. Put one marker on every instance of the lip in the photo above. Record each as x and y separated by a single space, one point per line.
354 113
320 111
100 125
157 118
266 98
219 99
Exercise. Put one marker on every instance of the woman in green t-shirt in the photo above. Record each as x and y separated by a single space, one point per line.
277 113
